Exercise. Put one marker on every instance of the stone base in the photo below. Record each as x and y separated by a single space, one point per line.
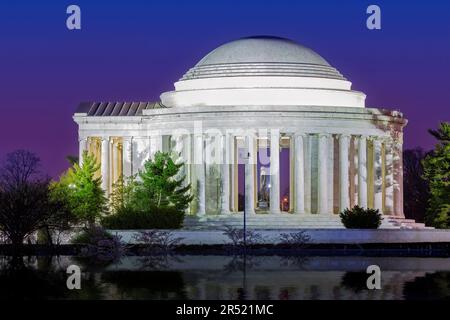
287 221
318 236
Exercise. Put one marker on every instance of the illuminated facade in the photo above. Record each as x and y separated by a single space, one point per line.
266 116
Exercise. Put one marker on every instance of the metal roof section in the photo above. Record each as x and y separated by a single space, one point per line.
116 109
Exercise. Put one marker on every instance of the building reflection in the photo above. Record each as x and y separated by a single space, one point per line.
232 278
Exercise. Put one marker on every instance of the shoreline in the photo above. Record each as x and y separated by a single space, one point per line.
368 249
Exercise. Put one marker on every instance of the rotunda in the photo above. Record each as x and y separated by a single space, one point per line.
263 124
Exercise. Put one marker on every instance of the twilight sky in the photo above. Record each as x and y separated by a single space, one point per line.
134 50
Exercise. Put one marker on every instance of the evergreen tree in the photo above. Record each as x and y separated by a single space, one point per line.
122 194
82 190
160 184
437 173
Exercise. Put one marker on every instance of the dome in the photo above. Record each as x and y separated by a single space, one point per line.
262 49
262 56
263 70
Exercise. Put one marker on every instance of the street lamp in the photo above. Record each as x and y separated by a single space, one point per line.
245 158
244 278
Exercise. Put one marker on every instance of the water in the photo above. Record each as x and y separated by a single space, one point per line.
227 277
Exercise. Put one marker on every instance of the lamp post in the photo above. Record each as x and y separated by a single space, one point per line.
244 278
245 158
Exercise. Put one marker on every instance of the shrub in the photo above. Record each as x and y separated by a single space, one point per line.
154 218
360 218
167 218
91 235
100 244
123 193
25 202
295 239
157 240
236 236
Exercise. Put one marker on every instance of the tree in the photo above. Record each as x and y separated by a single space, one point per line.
82 190
416 192
160 186
122 193
437 173
25 204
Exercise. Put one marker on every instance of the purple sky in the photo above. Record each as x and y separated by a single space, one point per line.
134 50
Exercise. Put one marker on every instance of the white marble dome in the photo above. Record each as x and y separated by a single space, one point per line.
263 70
262 56
262 49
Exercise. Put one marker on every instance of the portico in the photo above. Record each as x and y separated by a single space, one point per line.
332 169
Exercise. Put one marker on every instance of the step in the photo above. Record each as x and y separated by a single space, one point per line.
286 221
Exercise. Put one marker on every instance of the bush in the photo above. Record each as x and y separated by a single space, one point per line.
298 239
26 204
156 241
360 218
100 244
236 236
154 218
91 235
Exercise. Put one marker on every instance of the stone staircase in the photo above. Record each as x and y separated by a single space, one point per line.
404 223
287 221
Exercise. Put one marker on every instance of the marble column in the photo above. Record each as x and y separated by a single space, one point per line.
250 166
179 154
82 147
275 171
156 144
188 159
233 172
330 173
389 178
105 164
200 174
141 152
354 165
362 171
179 147
307 149
322 207
115 162
299 174
292 191
127 156
398 178
344 144
225 174
377 177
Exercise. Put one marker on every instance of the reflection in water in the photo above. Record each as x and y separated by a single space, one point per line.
226 277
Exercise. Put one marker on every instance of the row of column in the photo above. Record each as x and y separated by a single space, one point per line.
388 200
228 154
134 151
134 156
391 195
